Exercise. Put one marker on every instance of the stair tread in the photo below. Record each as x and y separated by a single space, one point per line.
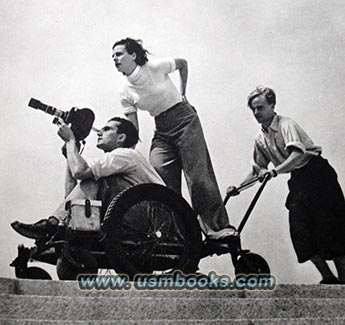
266 321
71 288
62 302
146 308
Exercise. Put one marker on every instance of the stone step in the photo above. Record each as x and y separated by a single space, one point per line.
285 321
270 321
63 302
71 289
108 308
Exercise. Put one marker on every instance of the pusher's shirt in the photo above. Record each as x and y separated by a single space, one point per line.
273 144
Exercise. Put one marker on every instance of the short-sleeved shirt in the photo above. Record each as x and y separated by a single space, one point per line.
126 162
150 88
275 144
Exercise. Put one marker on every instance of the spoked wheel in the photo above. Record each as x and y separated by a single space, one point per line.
151 229
251 263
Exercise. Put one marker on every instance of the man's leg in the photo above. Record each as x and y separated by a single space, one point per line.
327 276
47 227
340 266
84 190
304 239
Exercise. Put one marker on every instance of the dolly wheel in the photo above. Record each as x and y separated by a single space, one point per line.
251 263
151 229
74 261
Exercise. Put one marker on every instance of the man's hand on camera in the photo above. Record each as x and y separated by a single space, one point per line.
65 132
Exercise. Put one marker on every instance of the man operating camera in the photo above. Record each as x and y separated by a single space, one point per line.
120 167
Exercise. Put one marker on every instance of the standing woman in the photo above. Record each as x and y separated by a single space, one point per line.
178 143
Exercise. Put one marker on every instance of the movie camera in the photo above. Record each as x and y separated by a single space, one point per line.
81 120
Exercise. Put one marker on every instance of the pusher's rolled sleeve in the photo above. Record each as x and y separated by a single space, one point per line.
296 145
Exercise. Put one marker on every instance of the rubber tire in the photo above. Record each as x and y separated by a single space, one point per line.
142 229
251 263
67 271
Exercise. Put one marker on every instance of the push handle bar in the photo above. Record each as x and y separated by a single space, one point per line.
241 188
252 204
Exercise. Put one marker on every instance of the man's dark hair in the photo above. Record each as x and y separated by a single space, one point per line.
128 128
269 94
134 46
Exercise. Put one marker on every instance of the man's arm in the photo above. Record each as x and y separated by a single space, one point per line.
77 164
70 181
294 159
233 189
79 169
182 66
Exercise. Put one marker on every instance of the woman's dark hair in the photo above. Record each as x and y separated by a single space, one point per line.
128 128
134 46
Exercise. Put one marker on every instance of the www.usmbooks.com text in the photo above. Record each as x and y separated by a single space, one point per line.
177 281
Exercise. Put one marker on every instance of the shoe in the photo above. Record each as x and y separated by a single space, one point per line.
225 233
39 230
225 236
331 281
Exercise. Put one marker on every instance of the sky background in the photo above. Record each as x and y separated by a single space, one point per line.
60 53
